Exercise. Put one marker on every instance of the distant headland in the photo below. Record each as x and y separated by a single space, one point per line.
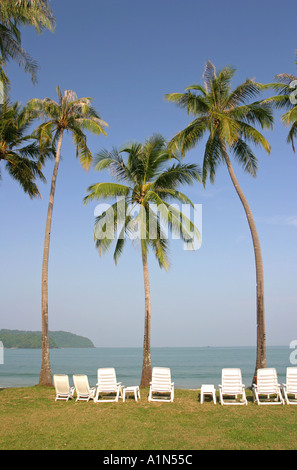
32 339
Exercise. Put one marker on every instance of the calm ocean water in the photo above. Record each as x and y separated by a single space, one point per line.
190 367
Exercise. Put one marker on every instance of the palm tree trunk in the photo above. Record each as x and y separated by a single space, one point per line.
45 377
146 365
261 336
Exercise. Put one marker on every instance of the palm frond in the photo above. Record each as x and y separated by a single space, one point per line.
255 113
107 224
178 174
173 195
112 161
25 172
252 135
245 157
157 240
20 151
286 89
292 134
279 101
212 158
285 78
155 154
209 76
193 103
94 125
243 93
10 47
290 116
36 13
106 191
188 138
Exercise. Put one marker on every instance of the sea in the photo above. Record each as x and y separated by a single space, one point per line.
190 367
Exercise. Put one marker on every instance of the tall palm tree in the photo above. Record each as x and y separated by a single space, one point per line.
13 14
19 151
146 182
286 87
74 115
228 118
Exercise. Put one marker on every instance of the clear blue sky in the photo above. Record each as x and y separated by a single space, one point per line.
126 55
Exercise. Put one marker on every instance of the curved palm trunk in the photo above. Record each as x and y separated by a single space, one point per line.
261 336
45 377
146 364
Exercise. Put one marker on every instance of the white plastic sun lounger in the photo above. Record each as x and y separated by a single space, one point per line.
290 387
63 390
161 387
82 388
107 386
267 386
232 386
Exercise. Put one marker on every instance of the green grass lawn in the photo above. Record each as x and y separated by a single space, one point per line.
31 419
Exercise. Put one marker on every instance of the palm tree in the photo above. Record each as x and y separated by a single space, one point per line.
228 119
286 99
18 150
68 114
14 13
148 183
